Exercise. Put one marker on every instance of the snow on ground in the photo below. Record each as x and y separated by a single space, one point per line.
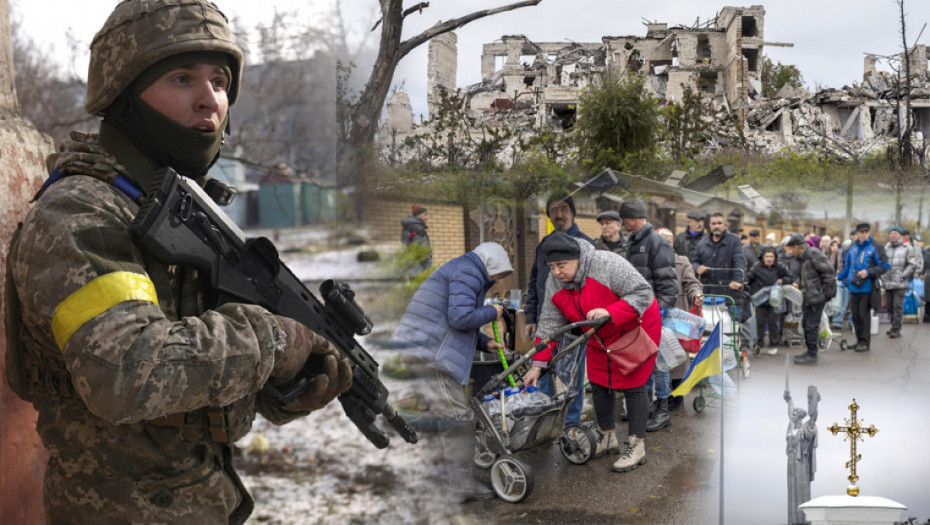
331 474
321 469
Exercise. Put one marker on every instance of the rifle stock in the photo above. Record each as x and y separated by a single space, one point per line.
179 224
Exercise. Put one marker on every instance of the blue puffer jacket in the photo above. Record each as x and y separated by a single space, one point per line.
441 324
867 256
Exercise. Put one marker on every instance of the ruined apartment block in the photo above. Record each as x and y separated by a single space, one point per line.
720 58
531 86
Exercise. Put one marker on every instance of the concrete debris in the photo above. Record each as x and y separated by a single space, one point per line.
534 87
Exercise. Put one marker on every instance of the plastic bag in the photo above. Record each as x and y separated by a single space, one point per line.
825 331
776 296
762 296
671 354
792 294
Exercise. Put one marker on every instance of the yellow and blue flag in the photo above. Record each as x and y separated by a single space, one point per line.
705 364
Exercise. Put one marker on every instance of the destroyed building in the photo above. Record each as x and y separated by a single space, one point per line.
721 57
533 86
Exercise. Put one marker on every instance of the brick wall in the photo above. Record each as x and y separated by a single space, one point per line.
445 225
587 225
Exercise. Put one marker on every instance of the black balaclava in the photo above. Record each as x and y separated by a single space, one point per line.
188 151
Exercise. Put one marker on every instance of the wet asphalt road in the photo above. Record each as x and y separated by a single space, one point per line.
680 481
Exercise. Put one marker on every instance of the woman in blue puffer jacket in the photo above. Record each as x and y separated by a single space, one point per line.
442 326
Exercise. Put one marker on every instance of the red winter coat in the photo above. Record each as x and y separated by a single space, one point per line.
575 304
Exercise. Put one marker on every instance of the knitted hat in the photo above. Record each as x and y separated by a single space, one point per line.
609 214
665 232
770 237
561 247
553 199
633 210
417 209
896 229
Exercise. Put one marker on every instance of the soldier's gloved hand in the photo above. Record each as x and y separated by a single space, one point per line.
332 374
298 345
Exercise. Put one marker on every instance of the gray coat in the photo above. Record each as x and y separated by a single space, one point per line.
903 261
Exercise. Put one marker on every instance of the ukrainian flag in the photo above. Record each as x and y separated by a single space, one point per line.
705 364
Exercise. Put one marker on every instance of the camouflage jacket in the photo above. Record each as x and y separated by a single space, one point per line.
139 391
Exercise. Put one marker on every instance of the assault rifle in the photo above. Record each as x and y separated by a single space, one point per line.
180 224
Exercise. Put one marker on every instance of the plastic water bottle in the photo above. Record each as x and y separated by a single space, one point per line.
514 399
536 401
688 325
491 405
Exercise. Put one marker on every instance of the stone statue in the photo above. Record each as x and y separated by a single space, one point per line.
802 440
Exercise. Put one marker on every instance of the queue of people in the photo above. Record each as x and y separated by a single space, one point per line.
634 273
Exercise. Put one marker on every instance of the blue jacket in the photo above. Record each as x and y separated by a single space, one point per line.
441 324
536 289
867 256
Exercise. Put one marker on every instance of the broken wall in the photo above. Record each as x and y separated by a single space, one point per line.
441 67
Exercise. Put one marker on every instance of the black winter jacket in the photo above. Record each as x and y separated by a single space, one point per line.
685 243
725 253
752 254
761 275
654 259
818 282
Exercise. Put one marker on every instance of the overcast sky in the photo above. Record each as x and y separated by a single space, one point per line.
829 36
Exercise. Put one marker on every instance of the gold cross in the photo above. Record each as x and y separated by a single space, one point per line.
853 431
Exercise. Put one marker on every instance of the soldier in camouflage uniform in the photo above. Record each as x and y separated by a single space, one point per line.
140 392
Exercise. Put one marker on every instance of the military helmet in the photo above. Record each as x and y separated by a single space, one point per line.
139 33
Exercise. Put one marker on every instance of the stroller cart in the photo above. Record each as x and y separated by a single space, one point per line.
506 427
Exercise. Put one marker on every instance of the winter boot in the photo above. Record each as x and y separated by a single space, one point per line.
633 455
675 402
606 443
659 416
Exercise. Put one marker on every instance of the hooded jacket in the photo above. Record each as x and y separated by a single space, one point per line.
603 280
441 324
761 275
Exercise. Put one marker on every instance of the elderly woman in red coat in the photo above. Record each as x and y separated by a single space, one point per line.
589 284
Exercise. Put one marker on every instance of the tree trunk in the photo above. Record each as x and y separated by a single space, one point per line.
22 168
391 50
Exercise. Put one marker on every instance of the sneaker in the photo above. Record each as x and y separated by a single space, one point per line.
772 351
861 347
606 443
633 455
894 334
805 359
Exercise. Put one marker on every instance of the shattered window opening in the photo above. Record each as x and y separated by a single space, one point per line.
564 115
752 59
499 61
750 28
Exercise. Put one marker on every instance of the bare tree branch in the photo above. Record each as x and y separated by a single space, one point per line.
364 115
451 25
